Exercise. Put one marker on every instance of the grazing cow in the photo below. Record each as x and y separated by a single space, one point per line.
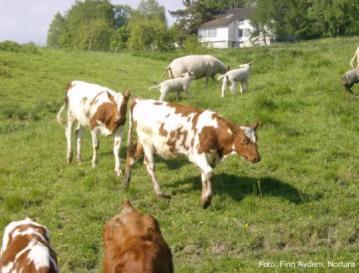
203 136
26 249
134 244
97 107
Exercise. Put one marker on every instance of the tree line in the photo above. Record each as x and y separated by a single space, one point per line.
100 25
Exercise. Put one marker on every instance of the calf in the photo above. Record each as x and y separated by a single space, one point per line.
26 249
235 76
133 243
203 136
97 107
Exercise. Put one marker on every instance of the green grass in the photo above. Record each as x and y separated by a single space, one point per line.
300 203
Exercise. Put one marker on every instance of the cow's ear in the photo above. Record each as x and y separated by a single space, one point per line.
127 204
255 125
110 97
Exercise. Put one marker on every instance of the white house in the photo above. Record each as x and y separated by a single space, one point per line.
231 29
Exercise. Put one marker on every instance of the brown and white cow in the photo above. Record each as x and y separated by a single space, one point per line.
97 107
203 136
26 249
133 243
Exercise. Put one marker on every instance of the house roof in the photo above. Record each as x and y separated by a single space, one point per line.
228 17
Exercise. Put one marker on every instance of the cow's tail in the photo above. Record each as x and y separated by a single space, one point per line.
65 105
130 127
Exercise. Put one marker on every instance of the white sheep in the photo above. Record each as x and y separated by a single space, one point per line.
234 76
201 65
175 85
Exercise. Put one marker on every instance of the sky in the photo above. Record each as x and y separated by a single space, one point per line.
26 21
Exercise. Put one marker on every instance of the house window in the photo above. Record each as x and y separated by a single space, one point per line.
240 32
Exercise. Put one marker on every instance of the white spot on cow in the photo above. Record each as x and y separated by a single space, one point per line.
250 133
7 268
39 254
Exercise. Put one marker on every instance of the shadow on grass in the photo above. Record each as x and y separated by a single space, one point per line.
238 187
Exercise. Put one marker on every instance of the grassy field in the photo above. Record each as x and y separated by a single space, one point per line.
300 203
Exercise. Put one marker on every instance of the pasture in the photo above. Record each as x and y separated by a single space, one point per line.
300 203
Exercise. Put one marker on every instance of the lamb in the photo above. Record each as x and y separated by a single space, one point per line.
201 65
175 85
234 76
355 58
350 78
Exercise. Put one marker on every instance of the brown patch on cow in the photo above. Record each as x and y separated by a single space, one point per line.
162 131
174 137
185 110
68 87
133 243
106 113
217 139
123 108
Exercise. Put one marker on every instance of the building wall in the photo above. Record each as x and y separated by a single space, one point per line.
230 36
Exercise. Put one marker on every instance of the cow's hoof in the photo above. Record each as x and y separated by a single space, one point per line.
206 202
118 172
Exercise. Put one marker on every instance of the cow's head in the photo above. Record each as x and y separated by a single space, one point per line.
118 110
245 142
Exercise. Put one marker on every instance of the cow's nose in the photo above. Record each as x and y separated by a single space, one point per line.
256 159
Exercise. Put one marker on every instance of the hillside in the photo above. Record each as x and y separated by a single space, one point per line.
300 203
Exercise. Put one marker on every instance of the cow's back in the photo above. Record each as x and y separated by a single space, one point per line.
168 128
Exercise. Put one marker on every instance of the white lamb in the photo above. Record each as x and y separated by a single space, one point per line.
175 85
234 76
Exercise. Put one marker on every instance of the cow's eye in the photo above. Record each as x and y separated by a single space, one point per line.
244 141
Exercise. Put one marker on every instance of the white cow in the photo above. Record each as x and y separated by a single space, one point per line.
97 107
202 136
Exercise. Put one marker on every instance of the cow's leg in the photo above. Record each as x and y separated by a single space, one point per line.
150 167
117 139
78 133
134 152
206 83
206 175
68 133
245 85
95 146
